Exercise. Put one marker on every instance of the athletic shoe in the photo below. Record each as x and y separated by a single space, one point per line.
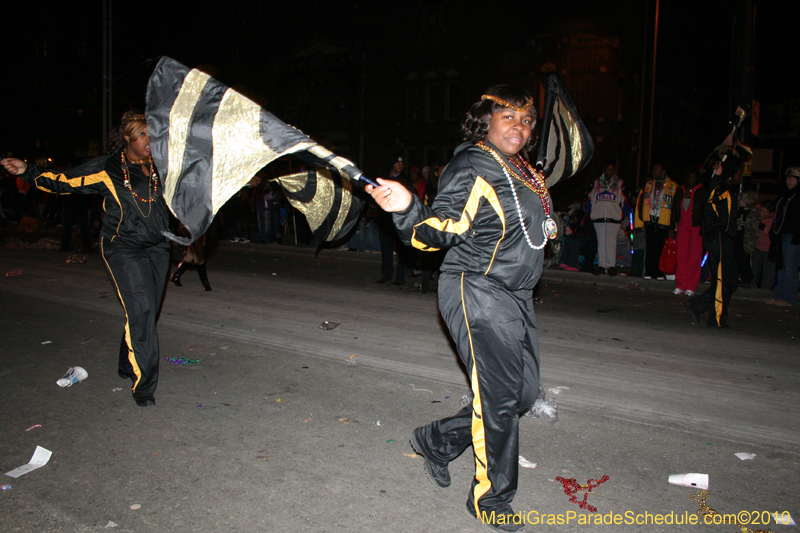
677 291
689 293
438 473
147 401
612 271
597 271
648 277
244 240
505 520
661 278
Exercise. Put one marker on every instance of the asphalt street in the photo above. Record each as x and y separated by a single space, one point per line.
285 426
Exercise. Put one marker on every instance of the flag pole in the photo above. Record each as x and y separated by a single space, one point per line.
547 119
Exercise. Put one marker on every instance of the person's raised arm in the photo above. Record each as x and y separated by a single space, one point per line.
89 178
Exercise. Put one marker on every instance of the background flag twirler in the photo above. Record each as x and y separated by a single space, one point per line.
208 141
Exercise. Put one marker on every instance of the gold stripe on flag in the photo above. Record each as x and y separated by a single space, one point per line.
344 210
239 151
559 161
320 206
574 139
179 120
238 147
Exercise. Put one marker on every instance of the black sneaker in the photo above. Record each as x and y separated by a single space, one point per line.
612 271
505 520
437 472
147 401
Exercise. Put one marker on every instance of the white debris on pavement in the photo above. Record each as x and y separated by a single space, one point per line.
39 459
784 519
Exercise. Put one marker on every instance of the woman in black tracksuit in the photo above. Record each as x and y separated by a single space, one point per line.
492 211
132 242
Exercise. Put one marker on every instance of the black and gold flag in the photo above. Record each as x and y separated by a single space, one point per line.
326 198
208 141
565 146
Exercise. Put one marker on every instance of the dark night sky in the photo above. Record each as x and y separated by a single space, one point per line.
239 38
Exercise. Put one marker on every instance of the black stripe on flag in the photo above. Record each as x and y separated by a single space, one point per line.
194 187
279 136
162 100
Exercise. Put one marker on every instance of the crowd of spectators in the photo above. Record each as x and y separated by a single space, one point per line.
669 218
634 233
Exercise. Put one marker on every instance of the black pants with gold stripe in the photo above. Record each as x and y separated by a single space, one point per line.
497 339
139 276
724 279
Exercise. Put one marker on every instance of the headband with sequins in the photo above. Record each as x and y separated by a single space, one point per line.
509 105
132 118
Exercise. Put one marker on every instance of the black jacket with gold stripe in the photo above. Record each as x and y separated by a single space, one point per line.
128 221
722 207
475 215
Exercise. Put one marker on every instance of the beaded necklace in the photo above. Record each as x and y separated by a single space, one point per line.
655 198
535 182
607 185
153 193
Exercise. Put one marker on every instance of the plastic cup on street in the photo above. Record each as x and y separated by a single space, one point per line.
73 375
694 481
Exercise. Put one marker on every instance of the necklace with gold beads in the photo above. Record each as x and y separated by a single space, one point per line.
535 182
153 193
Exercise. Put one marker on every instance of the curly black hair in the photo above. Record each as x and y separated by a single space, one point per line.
475 125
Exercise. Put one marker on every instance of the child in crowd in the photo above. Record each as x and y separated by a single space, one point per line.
763 268
579 240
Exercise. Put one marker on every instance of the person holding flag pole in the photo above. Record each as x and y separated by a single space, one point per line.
132 241
494 213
